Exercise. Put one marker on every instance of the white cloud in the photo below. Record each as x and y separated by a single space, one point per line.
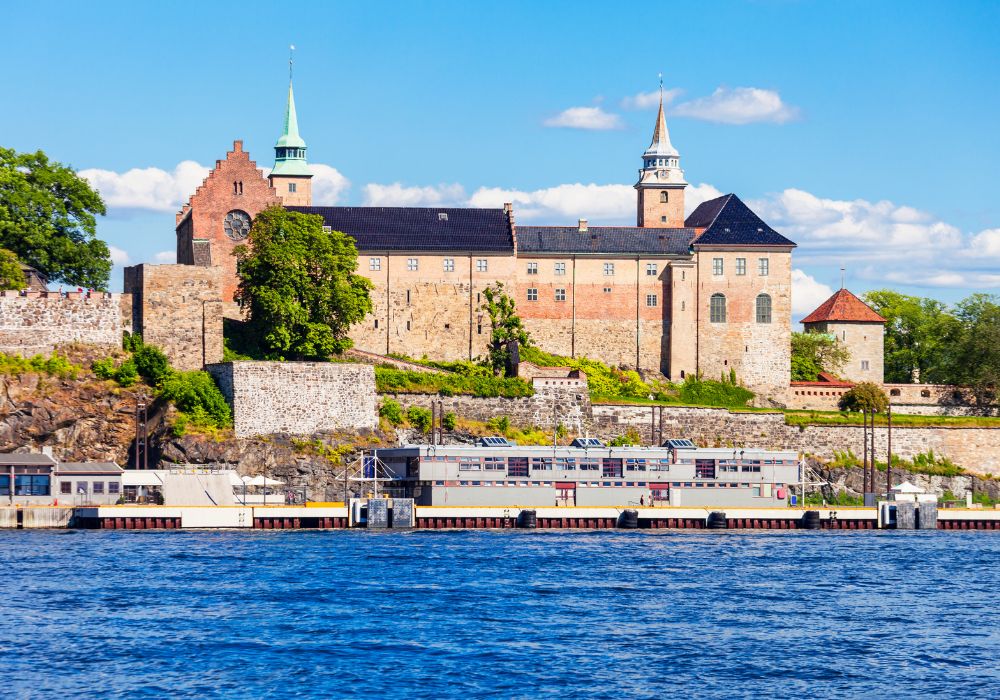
328 184
985 244
147 188
165 257
741 105
696 194
563 203
399 195
807 294
593 118
648 100
118 256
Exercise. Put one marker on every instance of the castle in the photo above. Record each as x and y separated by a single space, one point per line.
709 294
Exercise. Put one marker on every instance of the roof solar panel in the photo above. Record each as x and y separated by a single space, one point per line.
587 442
679 444
494 441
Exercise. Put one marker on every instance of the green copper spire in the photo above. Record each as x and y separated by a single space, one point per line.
290 150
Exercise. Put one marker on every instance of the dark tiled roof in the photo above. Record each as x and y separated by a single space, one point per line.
843 306
607 240
419 229
728 221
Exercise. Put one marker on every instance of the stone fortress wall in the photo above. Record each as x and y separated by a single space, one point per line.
297 398
37 322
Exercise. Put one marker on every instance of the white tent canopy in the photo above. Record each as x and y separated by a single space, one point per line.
907 487
262 480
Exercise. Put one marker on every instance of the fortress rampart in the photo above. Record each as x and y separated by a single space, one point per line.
38 322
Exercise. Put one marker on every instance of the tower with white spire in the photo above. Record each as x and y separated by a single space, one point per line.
290 176
661 181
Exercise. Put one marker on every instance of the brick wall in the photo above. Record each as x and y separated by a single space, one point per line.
178 308
297 398
39 321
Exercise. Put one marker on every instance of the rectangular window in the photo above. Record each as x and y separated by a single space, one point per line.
651 269
99 487
66 487
374 263
560 295
412 264
607 290
651 300
481 265
763 266
4 484
517 466
449 264
864 364
31 485
741 266
113 487
532 268
704 468
609 268
611 468
716 266
532 294
561 268
291 186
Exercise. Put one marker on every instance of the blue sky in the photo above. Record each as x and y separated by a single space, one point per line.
866 131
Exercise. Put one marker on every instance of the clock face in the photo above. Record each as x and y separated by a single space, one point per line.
237 225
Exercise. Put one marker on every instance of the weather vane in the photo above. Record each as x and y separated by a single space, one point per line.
291 50
661 84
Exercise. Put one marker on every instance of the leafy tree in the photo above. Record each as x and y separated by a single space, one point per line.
813 353
298 287
48 219
916 335
864 397
505 325
974 359
11 274
151 364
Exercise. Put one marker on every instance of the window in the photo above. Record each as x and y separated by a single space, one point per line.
532 294
716 266
651 269
113 487
442 216
651 300
663 197
607 290
4 484
481 265
407 297
408 325
66 488
763 266
374 263
925 394
561 268
663 219
328 228
532 268
31 485
864 365
412 264
609 268
682 305
560 295
763 308
894 392
449 264
291 187
717 308
741 266
99 487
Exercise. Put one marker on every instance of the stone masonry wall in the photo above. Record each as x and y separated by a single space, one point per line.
178 308
297 398
39 321
976 449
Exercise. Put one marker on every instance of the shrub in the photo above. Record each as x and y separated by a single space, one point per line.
104 368
705 392
389 380
391 411
500 424
196 394
448 421
131 341
420 418
151 364
127 374
630 437
54 365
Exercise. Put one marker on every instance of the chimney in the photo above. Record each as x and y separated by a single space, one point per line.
583 225
508 207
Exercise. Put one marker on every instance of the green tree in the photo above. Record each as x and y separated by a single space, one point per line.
48 219
298 288
505 326
11 274
864 397
916 336
813 353
974 359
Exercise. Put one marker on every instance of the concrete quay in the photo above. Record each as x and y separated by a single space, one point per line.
339 516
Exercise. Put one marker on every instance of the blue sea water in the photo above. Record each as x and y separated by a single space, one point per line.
472 614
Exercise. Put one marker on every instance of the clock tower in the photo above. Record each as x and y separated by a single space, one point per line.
290 176
661 181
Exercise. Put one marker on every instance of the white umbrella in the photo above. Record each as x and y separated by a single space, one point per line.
235 479
261 480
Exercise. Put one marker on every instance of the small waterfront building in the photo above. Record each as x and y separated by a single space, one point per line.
26 478
88 483
495 472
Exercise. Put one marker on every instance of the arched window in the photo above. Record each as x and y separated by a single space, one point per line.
717 308
663 196
763 308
